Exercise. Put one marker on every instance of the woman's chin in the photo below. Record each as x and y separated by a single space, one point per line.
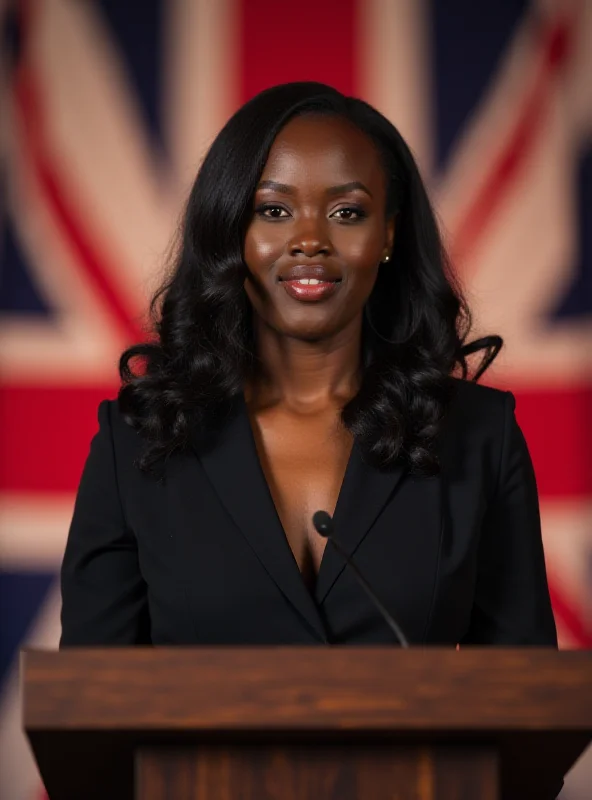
312 330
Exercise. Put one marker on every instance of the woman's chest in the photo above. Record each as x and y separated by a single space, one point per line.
303 465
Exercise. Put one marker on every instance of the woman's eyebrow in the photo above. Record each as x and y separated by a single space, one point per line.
284 188
349 187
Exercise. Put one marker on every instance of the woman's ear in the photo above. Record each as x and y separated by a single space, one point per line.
390 232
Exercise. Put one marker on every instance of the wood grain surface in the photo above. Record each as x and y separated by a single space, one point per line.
308 722
309 688
325 772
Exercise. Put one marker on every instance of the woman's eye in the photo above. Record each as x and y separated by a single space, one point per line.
272 212
349 214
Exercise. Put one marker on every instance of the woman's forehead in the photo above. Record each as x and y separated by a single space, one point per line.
323 146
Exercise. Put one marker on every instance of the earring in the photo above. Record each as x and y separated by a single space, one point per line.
385 259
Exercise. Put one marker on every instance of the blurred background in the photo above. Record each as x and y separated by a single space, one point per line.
106 109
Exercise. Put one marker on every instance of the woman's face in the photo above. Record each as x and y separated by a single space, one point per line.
319 213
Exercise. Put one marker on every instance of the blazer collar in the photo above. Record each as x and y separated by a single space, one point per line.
232 465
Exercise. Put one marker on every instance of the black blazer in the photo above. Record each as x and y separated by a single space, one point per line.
202 558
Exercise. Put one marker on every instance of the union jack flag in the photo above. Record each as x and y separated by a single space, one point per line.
107 108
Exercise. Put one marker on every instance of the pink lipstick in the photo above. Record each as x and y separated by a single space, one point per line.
310 289
310 282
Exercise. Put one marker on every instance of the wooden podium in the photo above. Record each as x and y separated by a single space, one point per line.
306 723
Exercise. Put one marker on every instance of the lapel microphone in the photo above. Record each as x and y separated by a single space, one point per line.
324 526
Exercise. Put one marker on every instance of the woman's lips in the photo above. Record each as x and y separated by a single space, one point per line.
310 292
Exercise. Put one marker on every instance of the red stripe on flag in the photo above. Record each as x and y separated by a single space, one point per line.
306 41
46 433
553 49
556 425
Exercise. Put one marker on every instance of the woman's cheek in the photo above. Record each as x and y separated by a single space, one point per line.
361 248
261 251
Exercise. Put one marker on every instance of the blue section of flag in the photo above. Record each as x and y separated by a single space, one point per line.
578 300
18 292
10 34
137 28
21 597
470 39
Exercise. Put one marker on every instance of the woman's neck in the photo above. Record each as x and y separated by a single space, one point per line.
305 376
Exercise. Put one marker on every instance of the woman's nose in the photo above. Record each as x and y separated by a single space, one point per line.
310 240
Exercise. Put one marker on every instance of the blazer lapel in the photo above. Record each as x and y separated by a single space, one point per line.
232 465
364 493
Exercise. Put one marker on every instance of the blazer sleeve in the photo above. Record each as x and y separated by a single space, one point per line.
104 597
512 604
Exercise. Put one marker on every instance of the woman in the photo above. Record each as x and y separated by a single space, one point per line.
310 354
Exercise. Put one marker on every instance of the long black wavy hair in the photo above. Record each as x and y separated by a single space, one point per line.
188 377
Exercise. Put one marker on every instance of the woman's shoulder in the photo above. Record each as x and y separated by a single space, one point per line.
469 394
475 406
113 425
477 428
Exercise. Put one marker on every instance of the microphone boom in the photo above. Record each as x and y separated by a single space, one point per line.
323 524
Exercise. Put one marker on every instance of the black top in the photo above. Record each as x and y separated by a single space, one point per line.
203 558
